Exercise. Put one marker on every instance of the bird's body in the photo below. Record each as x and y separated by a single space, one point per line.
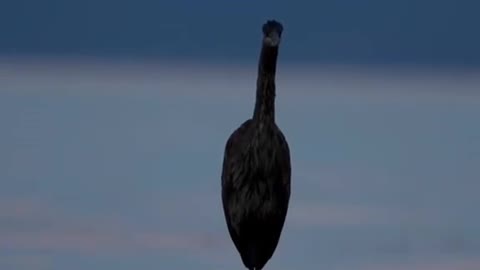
256 169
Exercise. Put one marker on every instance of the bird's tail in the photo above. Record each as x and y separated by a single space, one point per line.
252 258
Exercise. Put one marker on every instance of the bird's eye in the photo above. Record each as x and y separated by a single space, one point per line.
265 29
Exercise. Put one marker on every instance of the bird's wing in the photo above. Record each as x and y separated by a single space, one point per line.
233 152
286 162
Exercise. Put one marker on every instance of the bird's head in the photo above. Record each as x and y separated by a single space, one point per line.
272 33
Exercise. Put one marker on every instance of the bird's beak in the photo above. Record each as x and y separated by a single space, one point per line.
273 39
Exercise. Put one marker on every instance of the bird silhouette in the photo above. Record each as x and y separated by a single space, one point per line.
256 172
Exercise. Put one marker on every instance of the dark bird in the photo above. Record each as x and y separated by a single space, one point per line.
256 168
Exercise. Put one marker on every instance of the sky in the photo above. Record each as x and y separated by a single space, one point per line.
117 166
114 117
432 33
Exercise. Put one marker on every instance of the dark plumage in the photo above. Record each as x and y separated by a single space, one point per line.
256 168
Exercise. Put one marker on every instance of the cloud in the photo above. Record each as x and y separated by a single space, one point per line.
432 264
228 82
330 195
314 214
25 262
19 209
63 231
99 241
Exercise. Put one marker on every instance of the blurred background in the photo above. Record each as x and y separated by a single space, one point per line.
114 116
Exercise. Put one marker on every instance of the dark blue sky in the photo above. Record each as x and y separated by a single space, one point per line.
430 32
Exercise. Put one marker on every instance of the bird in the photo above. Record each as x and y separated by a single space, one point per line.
256 169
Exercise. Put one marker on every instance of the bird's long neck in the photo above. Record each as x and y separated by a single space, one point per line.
265 100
